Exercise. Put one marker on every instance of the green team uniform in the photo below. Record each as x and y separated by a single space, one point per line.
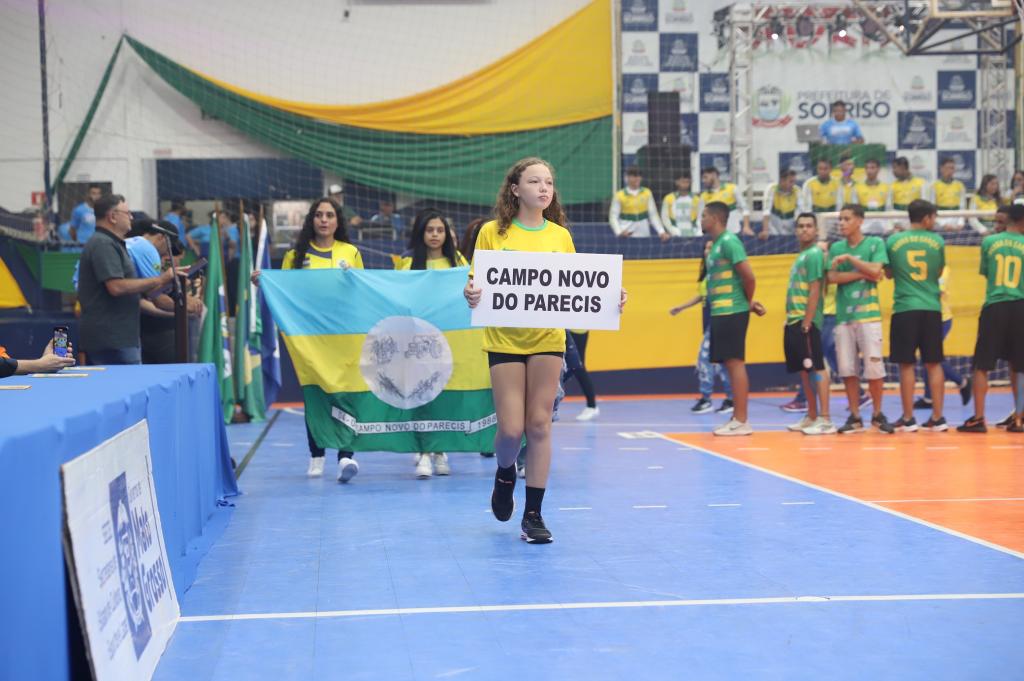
1002 256
725 290
857 301
916 259
808 267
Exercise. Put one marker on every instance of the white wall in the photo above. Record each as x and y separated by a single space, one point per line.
303 50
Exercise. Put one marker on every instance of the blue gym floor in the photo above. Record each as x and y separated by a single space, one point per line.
668 563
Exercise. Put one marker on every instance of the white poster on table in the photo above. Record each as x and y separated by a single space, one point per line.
114 547
547 290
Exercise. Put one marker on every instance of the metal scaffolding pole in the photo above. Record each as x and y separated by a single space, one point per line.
994 98
741 123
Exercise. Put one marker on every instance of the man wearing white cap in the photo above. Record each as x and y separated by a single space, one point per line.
337 192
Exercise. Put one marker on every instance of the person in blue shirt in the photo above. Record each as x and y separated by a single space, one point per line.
83 219
840 129
174 216
198 238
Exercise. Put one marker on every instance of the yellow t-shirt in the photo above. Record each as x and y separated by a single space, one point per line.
823 194
905 191
947 310
948 195
830 299
634 207
548 238
784 205
317 259
847 189
726 193
873 197
405 262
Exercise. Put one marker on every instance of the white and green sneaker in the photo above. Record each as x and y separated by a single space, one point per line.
733 428
805 422
821 426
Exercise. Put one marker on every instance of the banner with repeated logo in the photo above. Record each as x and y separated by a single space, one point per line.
114 547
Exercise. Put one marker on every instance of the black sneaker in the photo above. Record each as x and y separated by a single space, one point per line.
921 403
1015 427
703 406
879 421
853 425
503 503
726 407
965 391
904 425
936 425
534 530
973 425
1005 423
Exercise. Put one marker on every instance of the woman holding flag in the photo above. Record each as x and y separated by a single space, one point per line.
525 363
323 244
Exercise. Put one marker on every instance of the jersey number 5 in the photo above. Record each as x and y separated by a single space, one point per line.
916 260
1007 270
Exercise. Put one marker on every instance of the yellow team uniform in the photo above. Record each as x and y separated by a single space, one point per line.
949 195
905 191
847 189
442 263
548 238
317 259
784 205
634 208
981 203
874 197
726 193
822 195
670 201
829 307
947 310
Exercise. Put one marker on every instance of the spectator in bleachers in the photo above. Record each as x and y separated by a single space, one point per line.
948 193
1016 194
840 129
847 183
987 198
782 202
83 217
175 216
875 196
679 208
905 188
632 212
109 289
713 189
821 192
387 217
351 218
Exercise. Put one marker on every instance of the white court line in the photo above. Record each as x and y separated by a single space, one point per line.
722 505
942 447
654 468
281 444
753 449
869 504
945 501
797 503
242 444
1006 447
575 449
652 506
634 449
870 449
527 607
815 449
575 508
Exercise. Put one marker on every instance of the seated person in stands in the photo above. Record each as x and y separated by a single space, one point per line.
987 198
875 196
948 193
48 363
905 188
846 180
726 192
633 212
679 208
351 218
782 202
840 129
821 192
387 217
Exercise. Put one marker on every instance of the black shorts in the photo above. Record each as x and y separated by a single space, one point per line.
729 337
794 342
507 357
1000 335
915 330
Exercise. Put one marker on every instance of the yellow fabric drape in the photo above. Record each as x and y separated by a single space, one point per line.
660 340
10 292
562 77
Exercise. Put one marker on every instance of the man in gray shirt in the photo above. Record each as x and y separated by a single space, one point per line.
108 289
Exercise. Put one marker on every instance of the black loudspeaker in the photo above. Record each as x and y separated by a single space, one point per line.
661 164
663 118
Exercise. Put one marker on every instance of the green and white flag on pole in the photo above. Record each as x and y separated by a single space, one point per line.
214 341
248 333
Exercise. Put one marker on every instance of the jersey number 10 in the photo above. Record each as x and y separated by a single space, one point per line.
1007 270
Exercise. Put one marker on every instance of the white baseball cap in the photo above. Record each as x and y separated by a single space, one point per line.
335 189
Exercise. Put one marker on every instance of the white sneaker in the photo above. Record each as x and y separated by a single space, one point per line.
521 470
424 469
588 413
821 426
347 469
805 422
733 428
316 466
441 466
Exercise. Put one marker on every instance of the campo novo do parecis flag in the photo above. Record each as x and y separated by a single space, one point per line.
387 360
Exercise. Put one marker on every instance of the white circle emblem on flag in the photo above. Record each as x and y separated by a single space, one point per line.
406 361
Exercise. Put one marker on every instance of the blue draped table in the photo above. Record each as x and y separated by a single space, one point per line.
58 419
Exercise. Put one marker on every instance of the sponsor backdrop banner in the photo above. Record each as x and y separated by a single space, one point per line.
114 546
921 107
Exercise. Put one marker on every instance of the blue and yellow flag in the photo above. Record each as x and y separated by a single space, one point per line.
387 360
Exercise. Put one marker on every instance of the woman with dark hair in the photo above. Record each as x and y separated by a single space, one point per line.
431 247
323 244
987 198
468 245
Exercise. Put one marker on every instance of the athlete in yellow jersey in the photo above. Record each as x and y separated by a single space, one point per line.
679 209
323 244
821 191
905 188
726 192
847 181
782 202
875 196
948 193
633 212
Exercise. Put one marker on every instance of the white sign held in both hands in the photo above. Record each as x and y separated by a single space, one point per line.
547 290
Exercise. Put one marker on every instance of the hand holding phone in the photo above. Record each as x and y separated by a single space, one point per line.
60 341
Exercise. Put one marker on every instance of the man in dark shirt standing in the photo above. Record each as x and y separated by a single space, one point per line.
108 289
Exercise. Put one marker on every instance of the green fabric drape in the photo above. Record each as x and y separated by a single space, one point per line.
466 169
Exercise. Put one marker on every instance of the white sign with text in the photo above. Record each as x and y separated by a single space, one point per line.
547 290
114 547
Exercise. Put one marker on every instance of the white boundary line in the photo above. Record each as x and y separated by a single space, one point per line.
782 600
869 504
944 501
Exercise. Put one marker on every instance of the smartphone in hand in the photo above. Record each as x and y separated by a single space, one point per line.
60 341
